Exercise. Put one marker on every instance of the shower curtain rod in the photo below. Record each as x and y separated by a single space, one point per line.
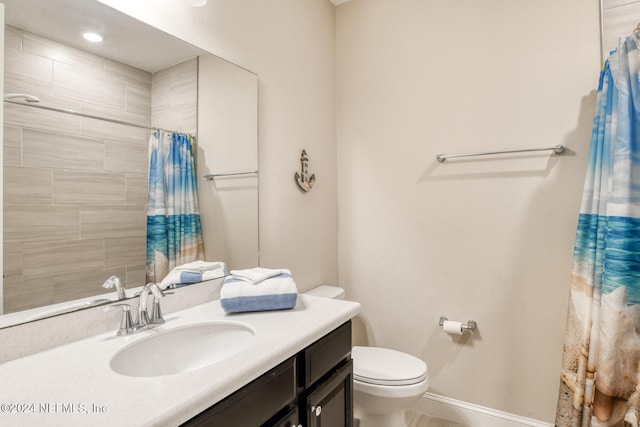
91 116
557 149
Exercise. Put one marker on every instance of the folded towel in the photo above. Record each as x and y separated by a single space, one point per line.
257 274
277 293
183 275
199 266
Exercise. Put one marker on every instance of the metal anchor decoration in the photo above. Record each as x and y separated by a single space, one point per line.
305 182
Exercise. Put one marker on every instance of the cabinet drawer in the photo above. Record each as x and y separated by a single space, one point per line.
256 403
323 355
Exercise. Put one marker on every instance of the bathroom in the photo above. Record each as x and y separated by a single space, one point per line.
373 90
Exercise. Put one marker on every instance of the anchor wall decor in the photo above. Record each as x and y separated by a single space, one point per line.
305 182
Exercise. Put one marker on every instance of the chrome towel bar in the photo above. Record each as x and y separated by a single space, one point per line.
557 149
216 175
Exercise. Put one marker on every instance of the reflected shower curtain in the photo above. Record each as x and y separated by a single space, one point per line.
174 235
600 384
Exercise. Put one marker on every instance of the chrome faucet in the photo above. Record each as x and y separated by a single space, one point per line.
115 281
144 318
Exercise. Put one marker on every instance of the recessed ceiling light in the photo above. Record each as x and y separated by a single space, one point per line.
93 37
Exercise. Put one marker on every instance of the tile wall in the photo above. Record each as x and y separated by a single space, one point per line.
174 92
75 189
619 18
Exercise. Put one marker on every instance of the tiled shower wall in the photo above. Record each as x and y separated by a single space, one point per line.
75 188
619 18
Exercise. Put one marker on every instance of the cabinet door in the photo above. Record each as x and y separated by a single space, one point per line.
330 403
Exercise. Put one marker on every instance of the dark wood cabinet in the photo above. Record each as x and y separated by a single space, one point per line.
314 388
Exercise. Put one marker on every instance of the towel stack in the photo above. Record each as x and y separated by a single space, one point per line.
194 272
258 289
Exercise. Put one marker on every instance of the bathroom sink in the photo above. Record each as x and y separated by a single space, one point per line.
182 349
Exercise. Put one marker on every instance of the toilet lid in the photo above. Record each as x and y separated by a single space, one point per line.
384 366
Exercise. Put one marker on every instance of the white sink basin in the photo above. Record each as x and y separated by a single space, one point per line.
183 349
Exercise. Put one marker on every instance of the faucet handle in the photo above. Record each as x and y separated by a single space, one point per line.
126 322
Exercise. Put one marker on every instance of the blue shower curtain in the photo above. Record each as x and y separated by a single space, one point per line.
174 235
600 379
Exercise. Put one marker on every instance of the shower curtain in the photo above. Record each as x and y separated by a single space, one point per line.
600 379
174 235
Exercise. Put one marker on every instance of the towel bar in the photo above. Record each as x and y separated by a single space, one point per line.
216 175
557 149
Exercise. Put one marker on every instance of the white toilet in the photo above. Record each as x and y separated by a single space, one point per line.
385 381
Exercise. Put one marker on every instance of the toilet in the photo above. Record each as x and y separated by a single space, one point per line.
385 381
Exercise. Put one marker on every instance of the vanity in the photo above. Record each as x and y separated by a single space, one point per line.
312 388
295 370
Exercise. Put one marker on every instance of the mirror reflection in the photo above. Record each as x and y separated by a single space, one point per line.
76 185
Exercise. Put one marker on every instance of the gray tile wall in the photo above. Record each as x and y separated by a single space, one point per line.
619 18
175 97
75 188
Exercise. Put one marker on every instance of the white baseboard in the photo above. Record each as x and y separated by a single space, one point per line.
471 415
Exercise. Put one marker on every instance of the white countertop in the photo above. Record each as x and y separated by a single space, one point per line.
73 385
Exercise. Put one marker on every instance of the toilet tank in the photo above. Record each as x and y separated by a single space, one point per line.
326 291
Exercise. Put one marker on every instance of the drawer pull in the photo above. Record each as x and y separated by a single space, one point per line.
317 410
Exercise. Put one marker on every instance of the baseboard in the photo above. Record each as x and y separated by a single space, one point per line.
472 415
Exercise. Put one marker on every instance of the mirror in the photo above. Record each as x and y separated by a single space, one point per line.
74 190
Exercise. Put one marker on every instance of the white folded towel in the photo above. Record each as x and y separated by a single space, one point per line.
199 266
188 273
257 274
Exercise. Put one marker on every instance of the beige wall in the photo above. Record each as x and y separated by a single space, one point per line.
75 188
487 239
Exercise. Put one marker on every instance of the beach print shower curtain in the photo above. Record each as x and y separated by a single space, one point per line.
600 380
174 235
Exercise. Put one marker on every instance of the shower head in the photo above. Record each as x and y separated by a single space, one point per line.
21 96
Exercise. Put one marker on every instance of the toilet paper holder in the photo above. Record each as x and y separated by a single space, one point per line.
470 326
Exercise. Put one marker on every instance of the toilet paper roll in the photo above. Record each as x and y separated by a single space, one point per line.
451 327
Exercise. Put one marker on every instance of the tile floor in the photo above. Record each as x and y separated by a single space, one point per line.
415 419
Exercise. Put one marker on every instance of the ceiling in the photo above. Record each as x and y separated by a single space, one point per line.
127 40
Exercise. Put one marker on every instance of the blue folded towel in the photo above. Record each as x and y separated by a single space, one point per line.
276 293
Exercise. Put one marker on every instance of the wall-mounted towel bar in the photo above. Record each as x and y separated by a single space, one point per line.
211 177
557 149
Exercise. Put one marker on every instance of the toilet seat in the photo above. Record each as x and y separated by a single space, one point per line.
383 366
